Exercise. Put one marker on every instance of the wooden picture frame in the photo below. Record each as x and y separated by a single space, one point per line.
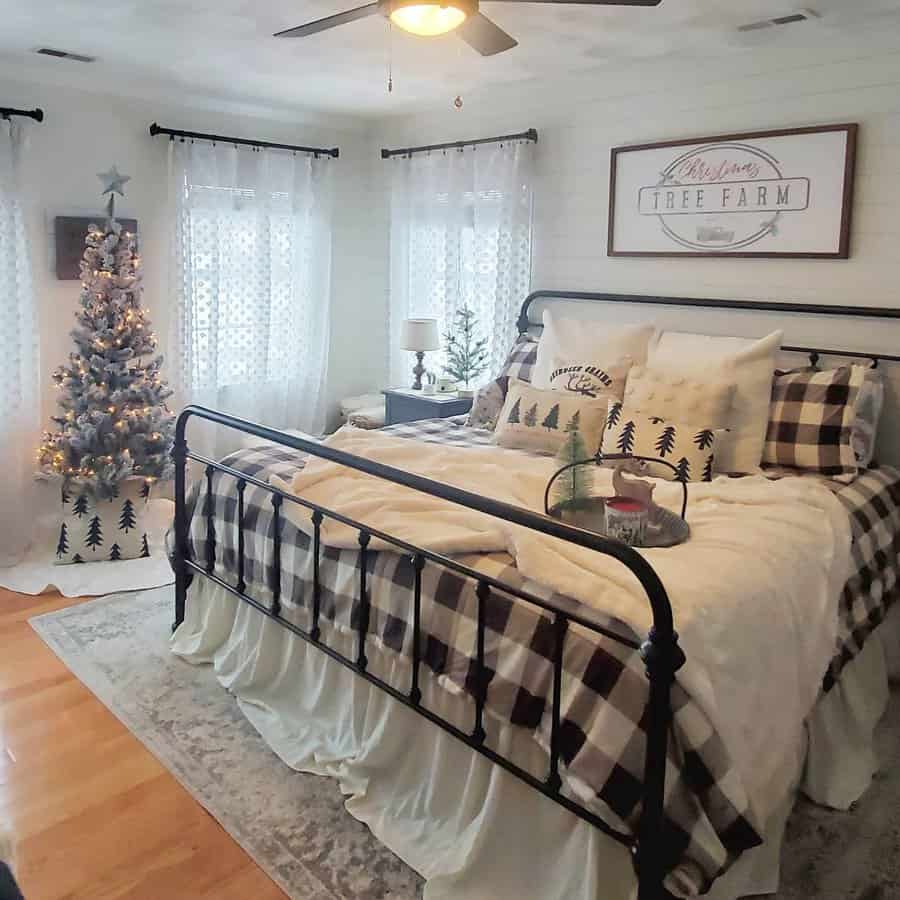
786 193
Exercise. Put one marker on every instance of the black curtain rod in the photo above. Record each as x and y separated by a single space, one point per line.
36 114
218 138
530 135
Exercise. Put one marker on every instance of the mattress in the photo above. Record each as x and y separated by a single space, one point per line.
603 745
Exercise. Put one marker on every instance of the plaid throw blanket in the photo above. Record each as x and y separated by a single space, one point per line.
709 822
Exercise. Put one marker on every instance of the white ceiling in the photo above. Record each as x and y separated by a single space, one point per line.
223 50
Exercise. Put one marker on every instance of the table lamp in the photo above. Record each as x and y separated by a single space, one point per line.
419 335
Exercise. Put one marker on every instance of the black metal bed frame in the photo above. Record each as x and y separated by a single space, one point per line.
660 652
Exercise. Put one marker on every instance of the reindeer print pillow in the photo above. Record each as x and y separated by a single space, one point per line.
689 448
590 380
537 420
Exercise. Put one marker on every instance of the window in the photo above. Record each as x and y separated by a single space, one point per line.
461 234
252 268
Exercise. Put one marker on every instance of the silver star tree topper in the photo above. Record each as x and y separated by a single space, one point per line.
113 183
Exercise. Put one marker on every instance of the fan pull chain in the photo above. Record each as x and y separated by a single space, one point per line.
458 100
390 57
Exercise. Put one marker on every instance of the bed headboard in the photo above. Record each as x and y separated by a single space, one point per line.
825 332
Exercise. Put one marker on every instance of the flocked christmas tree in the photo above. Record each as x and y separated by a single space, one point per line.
467 354
113 421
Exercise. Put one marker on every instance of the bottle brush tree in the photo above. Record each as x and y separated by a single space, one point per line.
576 484
467 353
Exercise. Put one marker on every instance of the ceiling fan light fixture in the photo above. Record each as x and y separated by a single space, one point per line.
429 18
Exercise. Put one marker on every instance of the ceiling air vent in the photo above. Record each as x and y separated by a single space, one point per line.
65 54
802 15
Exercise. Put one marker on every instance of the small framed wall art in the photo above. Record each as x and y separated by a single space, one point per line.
786 193
70 232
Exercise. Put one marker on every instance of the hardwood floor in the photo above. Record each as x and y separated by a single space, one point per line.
93 813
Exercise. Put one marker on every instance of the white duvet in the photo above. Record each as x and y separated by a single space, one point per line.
754 592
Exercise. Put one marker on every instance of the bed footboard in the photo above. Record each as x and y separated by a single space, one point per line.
660 652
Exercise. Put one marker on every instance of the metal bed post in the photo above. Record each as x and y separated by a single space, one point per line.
179 456
663 658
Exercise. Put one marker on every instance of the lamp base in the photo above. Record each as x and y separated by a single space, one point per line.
418 371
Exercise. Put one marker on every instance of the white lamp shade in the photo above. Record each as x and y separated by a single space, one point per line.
420 334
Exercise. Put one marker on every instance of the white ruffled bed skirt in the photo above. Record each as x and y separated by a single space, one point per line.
468 827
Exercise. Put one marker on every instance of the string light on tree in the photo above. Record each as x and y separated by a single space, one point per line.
113 420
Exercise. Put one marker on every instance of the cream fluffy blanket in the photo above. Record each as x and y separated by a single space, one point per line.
754 591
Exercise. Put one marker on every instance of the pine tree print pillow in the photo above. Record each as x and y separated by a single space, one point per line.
96 530
536 420
690 448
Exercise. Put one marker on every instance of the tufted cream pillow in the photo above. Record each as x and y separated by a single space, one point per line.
678 398
748 364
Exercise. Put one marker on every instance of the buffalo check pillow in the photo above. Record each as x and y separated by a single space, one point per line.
488 400
811 421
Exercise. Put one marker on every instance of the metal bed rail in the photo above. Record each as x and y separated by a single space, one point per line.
525 320
660 652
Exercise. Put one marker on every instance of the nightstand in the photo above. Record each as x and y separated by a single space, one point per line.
406 405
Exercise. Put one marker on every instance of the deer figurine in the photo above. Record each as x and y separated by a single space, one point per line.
641 491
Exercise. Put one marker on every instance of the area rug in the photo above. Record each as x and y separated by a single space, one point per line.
295 826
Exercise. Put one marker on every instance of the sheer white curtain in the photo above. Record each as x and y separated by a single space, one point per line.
251 283
460 236
19 375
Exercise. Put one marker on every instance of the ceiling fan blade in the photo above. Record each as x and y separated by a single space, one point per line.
588 2
483 35
330 21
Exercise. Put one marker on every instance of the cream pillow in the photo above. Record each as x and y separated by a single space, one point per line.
536 420
678 397
590 380
747 364
583 339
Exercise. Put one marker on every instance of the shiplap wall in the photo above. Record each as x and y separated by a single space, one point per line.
581 119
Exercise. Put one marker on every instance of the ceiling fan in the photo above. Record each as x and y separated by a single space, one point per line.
433 17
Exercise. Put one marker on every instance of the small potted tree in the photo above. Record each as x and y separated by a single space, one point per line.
467 353
575 486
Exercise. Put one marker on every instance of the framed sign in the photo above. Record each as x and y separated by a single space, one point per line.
782 193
